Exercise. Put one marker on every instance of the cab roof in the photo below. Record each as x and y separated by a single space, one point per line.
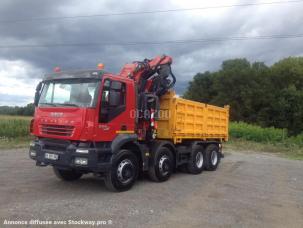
77 74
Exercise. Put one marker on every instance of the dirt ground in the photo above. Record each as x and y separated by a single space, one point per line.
247 190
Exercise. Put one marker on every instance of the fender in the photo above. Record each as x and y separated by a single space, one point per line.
142 150
120 140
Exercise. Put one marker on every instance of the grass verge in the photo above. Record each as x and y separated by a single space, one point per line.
13 143
292 152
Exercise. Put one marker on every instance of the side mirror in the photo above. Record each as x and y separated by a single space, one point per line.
37 94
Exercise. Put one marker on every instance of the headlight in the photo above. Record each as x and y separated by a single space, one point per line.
82 151
81 161
32 144
33 153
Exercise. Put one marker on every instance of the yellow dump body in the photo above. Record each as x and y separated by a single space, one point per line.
181 119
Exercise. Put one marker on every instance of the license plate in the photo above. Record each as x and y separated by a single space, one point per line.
51 156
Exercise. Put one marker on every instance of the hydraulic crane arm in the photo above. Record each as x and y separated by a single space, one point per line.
152 76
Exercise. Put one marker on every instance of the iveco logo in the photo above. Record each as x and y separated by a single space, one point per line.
56 114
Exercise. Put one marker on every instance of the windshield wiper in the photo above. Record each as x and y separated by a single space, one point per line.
71 104
50 104
59 104
66 104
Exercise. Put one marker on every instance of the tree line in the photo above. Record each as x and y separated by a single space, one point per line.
27 110
257 93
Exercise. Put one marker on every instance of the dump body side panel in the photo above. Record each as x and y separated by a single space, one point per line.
182 119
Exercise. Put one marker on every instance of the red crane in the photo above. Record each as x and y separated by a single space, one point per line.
154 78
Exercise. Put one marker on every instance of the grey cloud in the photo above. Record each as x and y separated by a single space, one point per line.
188 58
11 100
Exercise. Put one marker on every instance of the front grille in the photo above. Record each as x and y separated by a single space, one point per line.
55 144
61 130
55 147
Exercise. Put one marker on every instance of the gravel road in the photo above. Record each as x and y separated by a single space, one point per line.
247 190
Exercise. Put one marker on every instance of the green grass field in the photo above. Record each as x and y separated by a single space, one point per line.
14 131
14 126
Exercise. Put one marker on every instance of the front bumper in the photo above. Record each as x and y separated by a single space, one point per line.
98 157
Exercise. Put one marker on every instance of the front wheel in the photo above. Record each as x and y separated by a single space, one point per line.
124 172
162 165
67 175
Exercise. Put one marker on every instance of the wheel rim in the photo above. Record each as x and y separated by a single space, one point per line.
125 171
164 165
199 160
214 157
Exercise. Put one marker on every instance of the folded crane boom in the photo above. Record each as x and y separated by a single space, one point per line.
151 75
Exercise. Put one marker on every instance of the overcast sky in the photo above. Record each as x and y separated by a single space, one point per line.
21 68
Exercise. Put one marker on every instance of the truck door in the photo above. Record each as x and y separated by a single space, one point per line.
113 114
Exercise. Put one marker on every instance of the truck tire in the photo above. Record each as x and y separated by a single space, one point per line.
211 157
195 164
124 172
162 165
67 175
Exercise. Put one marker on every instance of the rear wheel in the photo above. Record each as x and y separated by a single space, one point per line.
67 175
162 165
195 164
212 157
124 172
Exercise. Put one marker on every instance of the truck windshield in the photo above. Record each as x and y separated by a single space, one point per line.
70 92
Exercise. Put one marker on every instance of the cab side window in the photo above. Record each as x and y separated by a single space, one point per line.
113 101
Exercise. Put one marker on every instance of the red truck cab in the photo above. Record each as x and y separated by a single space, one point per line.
73 122
80 107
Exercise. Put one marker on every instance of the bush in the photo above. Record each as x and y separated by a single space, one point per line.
256 133
295 140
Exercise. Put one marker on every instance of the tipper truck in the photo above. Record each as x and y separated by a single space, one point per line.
118 126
